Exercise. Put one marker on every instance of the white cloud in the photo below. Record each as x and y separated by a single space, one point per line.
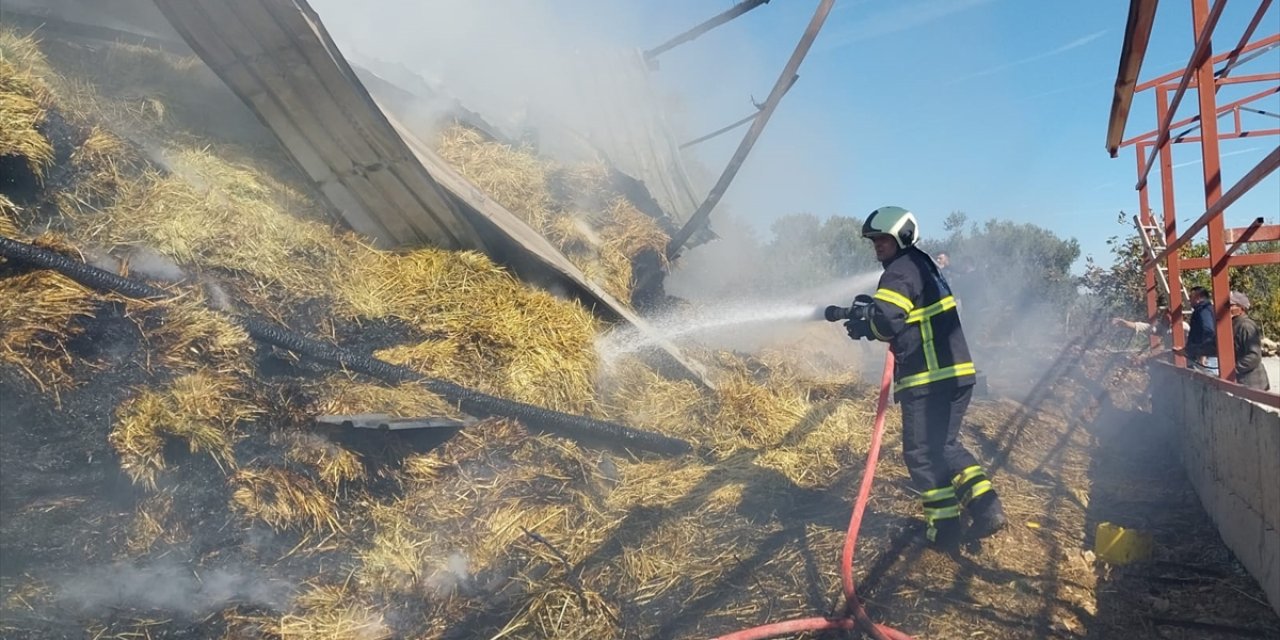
1074 44
1225 155
905 14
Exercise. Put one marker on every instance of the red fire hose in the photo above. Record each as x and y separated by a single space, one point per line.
855 615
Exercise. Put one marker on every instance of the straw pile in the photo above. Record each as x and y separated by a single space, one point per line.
576 207
200 408
41 312
24 98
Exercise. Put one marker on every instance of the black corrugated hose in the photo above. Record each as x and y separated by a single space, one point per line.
472 402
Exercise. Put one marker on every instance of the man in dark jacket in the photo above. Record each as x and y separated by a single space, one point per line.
913 310
1202 341
1248 341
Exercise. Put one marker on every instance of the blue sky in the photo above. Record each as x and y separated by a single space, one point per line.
997 108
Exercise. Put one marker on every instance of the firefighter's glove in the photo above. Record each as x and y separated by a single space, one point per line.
859 323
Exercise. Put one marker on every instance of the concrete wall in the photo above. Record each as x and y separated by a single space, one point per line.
1230 448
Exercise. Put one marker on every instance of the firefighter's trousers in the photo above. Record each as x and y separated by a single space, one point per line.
942 470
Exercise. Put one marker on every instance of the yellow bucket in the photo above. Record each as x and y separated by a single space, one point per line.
1117 545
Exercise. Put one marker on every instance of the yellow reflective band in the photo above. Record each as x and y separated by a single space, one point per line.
977 490
967 474
955 371
946 304
932 515
930 353
894 298
941 493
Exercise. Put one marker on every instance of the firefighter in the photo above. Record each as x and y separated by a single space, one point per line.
913 310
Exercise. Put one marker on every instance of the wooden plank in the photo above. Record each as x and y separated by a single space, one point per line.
191 25
381 208
209 22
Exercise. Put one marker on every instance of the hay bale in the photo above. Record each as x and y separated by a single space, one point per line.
284 499
584 186
632 232
201 408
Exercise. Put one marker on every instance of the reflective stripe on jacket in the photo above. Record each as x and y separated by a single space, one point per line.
916 314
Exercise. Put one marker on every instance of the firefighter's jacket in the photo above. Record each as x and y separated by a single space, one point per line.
916 314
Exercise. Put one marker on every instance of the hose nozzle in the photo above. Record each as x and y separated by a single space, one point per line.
836 313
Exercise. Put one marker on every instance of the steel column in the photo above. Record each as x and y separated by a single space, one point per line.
1199 57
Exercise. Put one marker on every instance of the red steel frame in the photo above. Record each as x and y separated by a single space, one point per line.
1156 147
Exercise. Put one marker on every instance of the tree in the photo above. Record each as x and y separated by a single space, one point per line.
1011 275
847 250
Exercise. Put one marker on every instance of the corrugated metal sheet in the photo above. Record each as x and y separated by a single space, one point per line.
277 56
632 132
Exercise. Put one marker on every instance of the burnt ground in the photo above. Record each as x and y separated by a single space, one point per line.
1078 450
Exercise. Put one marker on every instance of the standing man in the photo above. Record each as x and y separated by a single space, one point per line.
1201 350
1248 342
913 310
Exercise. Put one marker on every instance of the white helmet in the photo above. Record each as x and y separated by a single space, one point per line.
893 221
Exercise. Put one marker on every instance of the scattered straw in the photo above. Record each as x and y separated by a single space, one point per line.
155 522
200 408
39 312
239 221
339 395
23 101
8 217
284 499
333 464
333 613
185 334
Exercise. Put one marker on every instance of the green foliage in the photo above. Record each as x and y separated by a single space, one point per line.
1120 289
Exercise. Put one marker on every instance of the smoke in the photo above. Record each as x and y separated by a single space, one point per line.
454 575
170 587
136 16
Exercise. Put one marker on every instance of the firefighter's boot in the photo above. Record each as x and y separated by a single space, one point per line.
974 491
988 516
941 516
